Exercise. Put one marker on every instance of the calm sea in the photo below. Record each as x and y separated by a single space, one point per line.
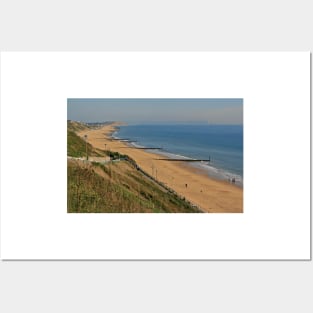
222 144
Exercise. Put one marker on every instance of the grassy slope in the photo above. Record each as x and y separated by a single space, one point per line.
113 187
76 146
117 187
76 126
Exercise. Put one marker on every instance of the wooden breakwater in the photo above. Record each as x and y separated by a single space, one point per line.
142 148
185 160
122 139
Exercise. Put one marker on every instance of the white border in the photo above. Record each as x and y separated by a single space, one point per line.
276 92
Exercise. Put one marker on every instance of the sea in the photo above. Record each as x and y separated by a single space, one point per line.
221 144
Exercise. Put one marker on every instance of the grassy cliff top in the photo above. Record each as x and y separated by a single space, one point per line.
76 126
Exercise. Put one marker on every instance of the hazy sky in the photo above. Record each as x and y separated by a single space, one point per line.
133 111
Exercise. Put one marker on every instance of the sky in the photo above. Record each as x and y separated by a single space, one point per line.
155 111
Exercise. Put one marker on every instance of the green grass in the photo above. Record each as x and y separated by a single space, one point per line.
76 126
110 188
76 146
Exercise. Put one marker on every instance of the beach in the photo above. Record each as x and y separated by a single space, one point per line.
211 195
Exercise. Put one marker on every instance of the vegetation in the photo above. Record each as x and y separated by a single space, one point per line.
117 188
76 126
76 146
116 155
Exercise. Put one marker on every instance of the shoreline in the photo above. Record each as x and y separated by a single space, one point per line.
210 170
205 166
193 183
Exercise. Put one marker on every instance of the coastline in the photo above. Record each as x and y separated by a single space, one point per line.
211 195
225 163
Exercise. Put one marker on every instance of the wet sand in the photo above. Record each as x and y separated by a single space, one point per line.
209 194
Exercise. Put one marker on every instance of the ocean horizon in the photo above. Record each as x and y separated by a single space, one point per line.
221 144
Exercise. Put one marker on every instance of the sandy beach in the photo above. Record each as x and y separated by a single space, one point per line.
209 194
